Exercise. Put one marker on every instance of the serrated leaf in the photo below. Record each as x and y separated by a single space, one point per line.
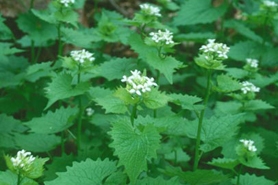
85 173
241 28
53 122
111 104
236 72
116 68
158 181
155 99
37 142
5 32
254 162
248 179
61 88
134 147
166 66
227 84
224 163
215 130
257 105
37 71
204 177
186 101
262 81
195 36
199 11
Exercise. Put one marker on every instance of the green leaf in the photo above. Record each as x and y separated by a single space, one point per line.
199 11
5 32
195 36
251 50
53 122
203 177
61 88
227 84
240 27
186 101
248 179
9 178
215 130
257 105
37 71
166 66
116 68
224 163
85 173
158 181
262 81
134 147
254 162
236 72
155 99
37 142
67 16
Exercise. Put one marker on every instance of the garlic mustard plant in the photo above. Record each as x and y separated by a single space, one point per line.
249 87
150 10
137 83
81 56
249 145
162 37
22 161
253 63
66 3
215 50
270 4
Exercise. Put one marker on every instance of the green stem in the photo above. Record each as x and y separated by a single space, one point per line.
38 55
238 175
133 114
79 123
62 142
198 140
32 51
32 4
18 178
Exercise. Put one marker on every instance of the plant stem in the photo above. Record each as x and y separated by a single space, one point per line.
18 178
32 4
32 51
62 142
133 114
198 140
238 175
79 123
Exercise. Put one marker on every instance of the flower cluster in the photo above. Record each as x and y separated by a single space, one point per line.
215 50
89 111
252 62
23 160
249 87
66 3
270 4
164 37
81 56
249 145
137 83
150 10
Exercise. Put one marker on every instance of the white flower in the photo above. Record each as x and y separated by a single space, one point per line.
270 3
138 84
89 111
218 50
23 160
249 87
249 145
67 2
150 10
252 62
162 37
81 56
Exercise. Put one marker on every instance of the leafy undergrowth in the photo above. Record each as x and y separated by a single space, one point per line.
127 92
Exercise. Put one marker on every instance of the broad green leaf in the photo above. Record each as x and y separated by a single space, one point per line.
251 50
254 162
53 122
186 101
8 49
248 179
204 177
215 130
236 72
116 178
61 87
111 104
155 99
37 71
269 56
262 81
37 142
67 16
158 181
86 172
199 11
177 155
38 30
257 105
224 163
116 68
227 84
230 107
9 178
134 147
270 142
5 32
240 27
165 65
